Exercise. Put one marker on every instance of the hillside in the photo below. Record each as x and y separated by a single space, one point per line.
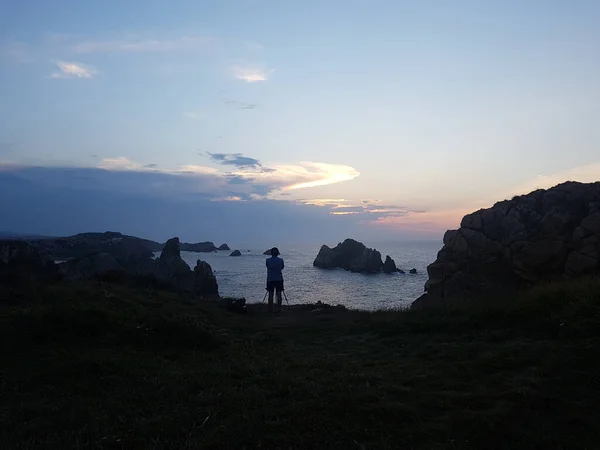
102 366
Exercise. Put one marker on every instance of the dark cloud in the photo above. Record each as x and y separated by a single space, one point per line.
236 179
154 205
235 159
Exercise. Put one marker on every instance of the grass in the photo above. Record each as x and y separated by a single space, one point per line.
109 367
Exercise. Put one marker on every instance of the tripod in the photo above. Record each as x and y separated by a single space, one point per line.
265 297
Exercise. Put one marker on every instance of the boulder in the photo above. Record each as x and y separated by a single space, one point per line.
224 247
205 282
413 271
349 255
20 261
237 305
389 266
236 253
541 236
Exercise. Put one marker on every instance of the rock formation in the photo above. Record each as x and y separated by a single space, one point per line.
89 267
389 266
544 235
413 271
236 253
224 247
198 247
205 282
21 261
349 255
171 268
127 250
267 252
125 261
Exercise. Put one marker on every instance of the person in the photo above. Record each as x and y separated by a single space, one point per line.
275 265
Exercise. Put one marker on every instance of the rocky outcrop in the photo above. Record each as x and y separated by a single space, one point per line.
413 271
89 267
267 252
349 255
544 235
199 247
24 261
171 268
21 261
127 250
205 282
224 247
236 253
389 266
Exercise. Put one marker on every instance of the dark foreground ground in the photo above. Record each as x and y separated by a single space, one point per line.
100 366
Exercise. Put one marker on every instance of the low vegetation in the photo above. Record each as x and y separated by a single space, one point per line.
107 366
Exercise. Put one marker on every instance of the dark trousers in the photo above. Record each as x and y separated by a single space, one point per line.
275 286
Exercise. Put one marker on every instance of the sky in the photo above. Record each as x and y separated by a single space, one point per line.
265 119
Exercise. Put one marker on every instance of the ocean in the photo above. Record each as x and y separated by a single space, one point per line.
244 276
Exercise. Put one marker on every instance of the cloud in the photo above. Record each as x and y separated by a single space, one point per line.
152 204
370 210
120 163
235 159
252 74
142 45
247 179
320 174
73 70
195 169
229 198
291 177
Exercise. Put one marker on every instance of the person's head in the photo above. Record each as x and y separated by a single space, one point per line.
274 251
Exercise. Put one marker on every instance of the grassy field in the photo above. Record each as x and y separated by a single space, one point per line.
101 366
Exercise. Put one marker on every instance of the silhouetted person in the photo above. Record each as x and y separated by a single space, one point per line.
274 277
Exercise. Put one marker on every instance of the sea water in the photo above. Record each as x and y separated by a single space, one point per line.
245 276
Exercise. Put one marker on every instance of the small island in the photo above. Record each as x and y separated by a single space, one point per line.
354 256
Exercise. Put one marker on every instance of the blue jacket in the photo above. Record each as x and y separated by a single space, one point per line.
274 267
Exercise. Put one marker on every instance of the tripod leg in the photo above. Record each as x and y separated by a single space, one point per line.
286 300
263 301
